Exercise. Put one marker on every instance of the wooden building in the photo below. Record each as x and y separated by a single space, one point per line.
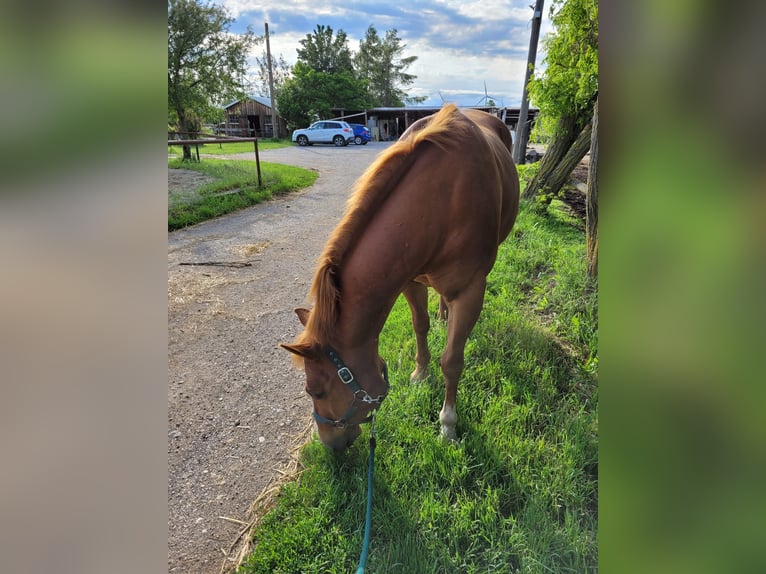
251 117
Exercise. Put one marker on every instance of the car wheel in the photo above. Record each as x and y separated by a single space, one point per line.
358 140
303 140
339 141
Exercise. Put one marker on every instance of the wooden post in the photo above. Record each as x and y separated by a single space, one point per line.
274 118
522 128
258 162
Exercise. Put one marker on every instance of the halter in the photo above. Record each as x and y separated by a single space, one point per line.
360 395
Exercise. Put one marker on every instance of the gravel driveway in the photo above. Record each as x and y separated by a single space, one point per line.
236 406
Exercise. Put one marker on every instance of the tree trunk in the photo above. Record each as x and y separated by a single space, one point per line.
555 178
591 202
562 140
188 125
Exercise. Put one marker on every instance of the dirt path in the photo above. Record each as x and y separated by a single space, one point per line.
235 403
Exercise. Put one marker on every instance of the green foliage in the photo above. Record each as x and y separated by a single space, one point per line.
526 173
205 61
327 75
310 95
379 63
569 84
324 53
323 78
518 492
210 200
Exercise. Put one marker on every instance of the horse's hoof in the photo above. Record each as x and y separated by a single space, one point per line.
449 434
419 375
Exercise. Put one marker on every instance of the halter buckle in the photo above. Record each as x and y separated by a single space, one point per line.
345 375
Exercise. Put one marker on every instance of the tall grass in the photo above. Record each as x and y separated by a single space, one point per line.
518 492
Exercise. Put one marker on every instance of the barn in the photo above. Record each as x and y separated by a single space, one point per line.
251 117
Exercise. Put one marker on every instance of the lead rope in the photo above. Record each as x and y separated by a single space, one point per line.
368 516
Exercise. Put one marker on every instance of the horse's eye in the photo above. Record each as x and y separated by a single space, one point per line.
316 394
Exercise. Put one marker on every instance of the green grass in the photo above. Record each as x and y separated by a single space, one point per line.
231 148
518 492
207 201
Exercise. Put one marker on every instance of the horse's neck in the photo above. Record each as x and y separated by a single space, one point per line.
360 324
371 276
363 311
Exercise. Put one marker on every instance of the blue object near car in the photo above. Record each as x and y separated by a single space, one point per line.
361 134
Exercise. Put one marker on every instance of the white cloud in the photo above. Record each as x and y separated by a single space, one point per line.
460 44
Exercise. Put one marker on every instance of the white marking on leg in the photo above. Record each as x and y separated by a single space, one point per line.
448 419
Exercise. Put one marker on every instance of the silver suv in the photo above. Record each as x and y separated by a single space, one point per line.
325 131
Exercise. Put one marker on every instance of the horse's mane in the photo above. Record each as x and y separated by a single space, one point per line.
370 192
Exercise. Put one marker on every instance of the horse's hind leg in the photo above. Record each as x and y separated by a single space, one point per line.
463 313
417 297
442 309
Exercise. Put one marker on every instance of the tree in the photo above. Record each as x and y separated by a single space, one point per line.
566 93
206 63
311 95
379 63
323 53
327 75
322 79
281 71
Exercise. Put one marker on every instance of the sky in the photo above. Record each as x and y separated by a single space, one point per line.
461 45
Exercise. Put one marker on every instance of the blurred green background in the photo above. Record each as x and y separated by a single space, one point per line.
682 288
81 81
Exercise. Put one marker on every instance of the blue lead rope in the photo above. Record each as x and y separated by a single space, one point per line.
368 517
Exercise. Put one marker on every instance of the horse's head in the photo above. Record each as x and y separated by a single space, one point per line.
341 401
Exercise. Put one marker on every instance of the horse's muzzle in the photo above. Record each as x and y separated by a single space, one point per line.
338 439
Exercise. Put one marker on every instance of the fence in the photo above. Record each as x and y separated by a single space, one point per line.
214 140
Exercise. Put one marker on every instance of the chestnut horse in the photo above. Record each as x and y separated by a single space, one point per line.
431 210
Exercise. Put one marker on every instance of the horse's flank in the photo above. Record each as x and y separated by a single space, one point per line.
370 191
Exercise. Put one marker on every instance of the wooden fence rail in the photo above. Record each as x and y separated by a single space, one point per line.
196 144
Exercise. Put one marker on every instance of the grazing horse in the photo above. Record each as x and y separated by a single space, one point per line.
431 210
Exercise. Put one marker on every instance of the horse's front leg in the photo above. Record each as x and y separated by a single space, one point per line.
417 297
462 315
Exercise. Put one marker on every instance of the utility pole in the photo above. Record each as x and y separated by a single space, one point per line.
274 116
522 128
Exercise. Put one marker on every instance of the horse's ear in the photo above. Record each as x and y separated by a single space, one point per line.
304 350
303 315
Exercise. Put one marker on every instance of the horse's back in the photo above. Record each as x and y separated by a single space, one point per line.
476 156
467 190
